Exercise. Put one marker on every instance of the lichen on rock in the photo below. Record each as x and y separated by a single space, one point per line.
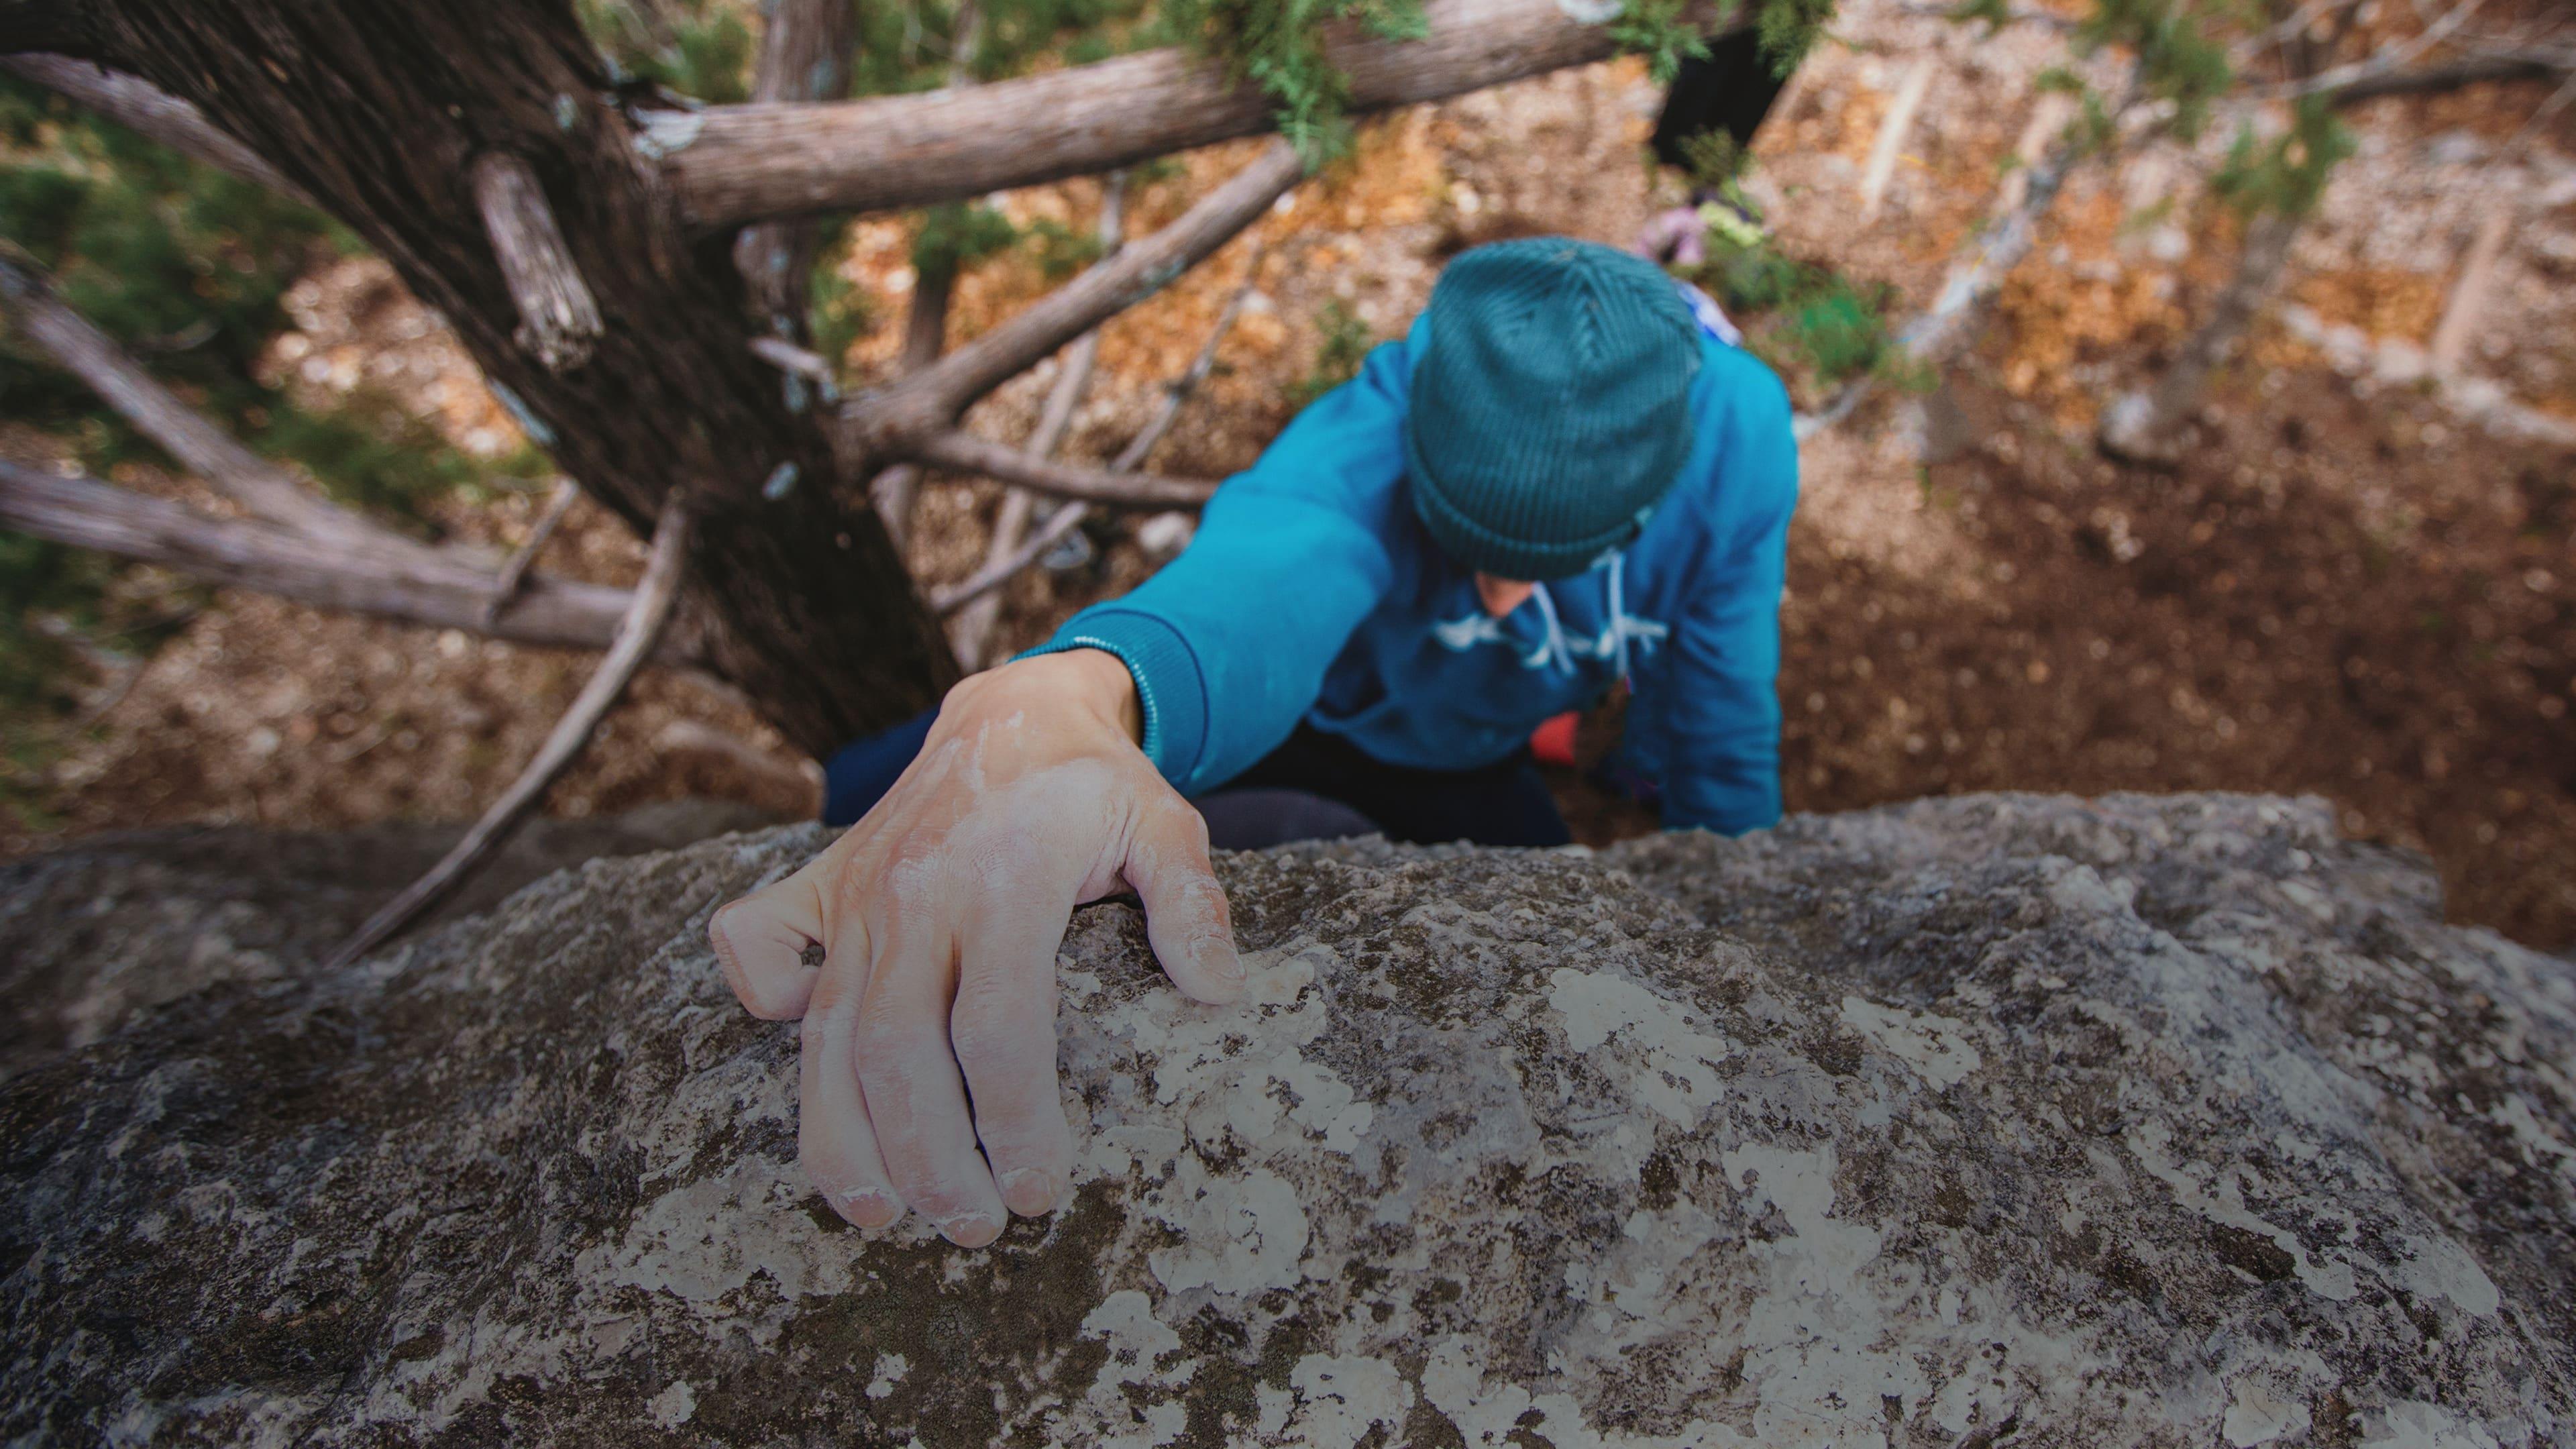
1993 1120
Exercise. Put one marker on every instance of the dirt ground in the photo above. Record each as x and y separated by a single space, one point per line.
2262 619
2342 590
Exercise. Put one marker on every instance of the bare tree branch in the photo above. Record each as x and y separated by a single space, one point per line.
926 403
999 571
2013 15
1892 131
2142 427
558 318
1972 281
1177 392
433 589
2387 62
804 56
1981 267
2454 75
515 572
754 161
972 627
147 110
28 299
961 452
637 634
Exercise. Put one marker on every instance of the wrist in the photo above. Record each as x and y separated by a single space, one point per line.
1091 682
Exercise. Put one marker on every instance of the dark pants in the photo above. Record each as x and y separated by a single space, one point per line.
1315 786
1505 803
1730 89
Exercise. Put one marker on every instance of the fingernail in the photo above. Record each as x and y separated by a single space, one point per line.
1217 955
970 1230
868 1208
1029 1191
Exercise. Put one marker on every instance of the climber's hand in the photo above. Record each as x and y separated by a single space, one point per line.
935 921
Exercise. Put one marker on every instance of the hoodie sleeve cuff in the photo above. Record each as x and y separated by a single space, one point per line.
1169 685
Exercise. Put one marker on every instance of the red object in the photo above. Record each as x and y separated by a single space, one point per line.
1552 743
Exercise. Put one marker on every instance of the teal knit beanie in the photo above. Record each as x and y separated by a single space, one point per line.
1550 404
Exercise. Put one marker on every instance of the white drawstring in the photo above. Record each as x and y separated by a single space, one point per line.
1618 616
1555 648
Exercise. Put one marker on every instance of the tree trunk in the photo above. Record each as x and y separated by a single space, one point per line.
380 112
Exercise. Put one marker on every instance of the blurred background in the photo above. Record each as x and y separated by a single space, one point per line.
2345 566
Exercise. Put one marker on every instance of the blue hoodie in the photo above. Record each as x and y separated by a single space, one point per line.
1311 591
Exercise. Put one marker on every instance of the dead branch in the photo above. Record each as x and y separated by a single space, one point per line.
515 572
897 490
637 633
1056 418
429 589
1177 393
961 452
925 332
28 299
2143 426
2468 301
925 404
972 627
999 571
2389 62
147 110
748 162
1892 131
1981 268
2452 76
804 56
1971 283
558 318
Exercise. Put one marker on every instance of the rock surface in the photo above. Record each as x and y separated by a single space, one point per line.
1986 1121
124 922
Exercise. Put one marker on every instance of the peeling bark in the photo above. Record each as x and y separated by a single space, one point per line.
378 112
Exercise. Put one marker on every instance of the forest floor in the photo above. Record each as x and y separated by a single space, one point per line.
2343 589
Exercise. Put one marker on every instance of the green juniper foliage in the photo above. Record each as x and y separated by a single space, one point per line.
1791 28
1801 317
694 47
960 234
1278 46
1659 30
2180 45
1062 250
2289 173
2183 57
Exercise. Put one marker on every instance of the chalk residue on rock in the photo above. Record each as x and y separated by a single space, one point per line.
1990 1120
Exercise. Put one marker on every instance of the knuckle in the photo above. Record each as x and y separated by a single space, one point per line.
986 1038
827 1013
